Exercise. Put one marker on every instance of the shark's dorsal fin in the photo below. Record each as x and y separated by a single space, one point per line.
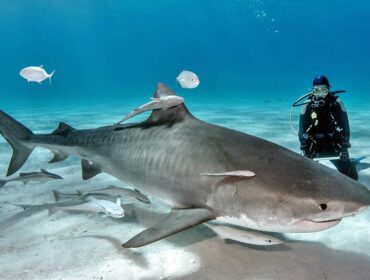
63 129
172 114
89 169
45 171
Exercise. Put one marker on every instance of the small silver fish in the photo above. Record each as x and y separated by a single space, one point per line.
35 74
187 79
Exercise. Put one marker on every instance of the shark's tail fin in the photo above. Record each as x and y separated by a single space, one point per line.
50 76
2 183
17 135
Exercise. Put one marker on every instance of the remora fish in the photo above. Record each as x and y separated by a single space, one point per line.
43 176
162 102
35 74
244 236
190 164
110 191
107 207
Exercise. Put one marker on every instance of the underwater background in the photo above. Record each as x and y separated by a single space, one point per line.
116 50
254 58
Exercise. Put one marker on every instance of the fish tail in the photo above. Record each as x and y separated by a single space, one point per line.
2 183
56 195
19 138
52 210
50 76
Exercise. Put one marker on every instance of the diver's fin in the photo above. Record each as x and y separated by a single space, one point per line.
357 159
63 129
58 156
17 135
236 173
245 236
172 114
176 221
89 169
3 183
360 165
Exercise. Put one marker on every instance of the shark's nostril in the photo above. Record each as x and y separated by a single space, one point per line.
323 206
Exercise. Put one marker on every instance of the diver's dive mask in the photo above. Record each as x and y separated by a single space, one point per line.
318 96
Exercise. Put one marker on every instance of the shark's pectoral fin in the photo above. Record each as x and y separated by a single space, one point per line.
89 169
236 173
176 221
245 236
58 156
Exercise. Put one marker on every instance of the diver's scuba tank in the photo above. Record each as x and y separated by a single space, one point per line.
316 101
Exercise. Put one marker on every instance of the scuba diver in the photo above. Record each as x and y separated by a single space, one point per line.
324 128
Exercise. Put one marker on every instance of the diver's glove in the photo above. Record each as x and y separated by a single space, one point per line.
307 151
344 155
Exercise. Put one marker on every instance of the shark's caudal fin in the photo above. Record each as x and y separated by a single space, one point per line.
2 183
17 135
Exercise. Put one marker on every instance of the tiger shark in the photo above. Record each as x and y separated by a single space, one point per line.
204 171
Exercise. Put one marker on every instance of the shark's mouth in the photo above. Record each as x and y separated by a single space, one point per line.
312 226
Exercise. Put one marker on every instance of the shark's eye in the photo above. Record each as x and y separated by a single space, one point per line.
323 206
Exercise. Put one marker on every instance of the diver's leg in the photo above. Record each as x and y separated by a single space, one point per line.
347 167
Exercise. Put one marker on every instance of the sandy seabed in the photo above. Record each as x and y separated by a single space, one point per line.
79 246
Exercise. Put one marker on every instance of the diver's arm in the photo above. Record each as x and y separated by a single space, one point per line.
341 117
304 123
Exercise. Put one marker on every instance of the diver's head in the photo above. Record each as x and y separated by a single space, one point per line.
321 86
320 90
321 80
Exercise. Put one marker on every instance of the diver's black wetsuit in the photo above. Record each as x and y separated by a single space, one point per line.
324 132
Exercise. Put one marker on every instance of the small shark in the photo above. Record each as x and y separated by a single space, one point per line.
110 191
42 176
203 171
107 207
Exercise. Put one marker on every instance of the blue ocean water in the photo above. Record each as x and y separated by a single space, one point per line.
116 50
254 59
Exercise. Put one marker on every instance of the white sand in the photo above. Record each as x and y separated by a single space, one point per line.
75 246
